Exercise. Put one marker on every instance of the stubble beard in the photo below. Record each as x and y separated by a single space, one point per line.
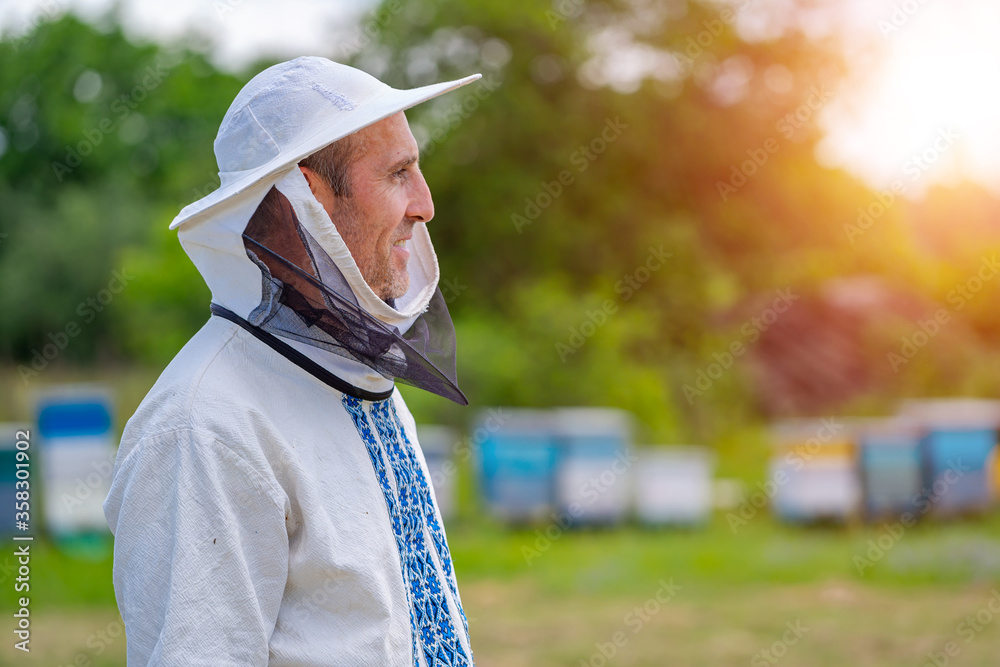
377 269
384 281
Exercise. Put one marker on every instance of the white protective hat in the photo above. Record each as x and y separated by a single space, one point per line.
284 114
292 110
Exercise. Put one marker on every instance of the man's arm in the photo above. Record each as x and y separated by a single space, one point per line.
201 553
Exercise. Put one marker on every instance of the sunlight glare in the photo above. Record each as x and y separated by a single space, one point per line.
938 78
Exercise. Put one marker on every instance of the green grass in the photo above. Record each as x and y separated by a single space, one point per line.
762 552
608 562
735 594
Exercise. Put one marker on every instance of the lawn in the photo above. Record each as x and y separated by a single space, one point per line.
643 597
734 597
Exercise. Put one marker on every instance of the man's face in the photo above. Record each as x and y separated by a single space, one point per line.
388 196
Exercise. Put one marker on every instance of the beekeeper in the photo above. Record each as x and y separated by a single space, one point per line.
270 502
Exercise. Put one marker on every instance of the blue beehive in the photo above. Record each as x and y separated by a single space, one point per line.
957 452
890 462
76 456
594 466
517 461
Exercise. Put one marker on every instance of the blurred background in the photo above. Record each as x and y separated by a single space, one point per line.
756 239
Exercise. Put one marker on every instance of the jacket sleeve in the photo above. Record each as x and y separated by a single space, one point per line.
201 553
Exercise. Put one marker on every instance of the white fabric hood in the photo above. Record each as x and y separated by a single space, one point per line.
215 244
315 301
322 306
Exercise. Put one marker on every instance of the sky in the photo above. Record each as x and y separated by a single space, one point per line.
244 30
920 106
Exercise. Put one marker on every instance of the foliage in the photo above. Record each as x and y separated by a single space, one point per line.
533 262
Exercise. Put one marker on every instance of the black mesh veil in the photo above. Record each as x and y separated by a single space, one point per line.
305 297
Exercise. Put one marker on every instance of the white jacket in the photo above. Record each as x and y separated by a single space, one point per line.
262 517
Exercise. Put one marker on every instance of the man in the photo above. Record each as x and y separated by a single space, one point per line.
270 503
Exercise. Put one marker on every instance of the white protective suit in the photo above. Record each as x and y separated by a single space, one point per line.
262 517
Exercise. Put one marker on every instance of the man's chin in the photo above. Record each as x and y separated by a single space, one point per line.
394 288
399 287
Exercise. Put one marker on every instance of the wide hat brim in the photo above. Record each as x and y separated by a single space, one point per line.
387 103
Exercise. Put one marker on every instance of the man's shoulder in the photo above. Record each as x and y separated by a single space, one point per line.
205 407
202 389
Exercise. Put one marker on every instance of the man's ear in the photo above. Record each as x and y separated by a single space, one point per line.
314 180
321 190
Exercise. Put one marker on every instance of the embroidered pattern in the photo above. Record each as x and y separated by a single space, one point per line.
413 518
437 534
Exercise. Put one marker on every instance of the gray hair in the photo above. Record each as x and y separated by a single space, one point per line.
332 163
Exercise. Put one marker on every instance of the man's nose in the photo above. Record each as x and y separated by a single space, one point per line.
421 205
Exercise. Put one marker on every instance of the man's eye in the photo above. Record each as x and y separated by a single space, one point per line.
399 174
